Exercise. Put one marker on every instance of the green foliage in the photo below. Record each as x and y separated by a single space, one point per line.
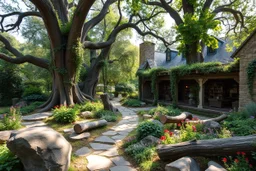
91 106
30 89
124 88
251 76
64 114
8 161
146 155
12 120
169 110
30 108
132 102
134 95
107 115
35 97
10 86
150 166
148 128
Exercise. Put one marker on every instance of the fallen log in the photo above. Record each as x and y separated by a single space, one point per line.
207 148
175 119
217 119
81 127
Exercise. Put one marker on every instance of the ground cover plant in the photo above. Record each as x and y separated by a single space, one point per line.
8 161
11 120
132 102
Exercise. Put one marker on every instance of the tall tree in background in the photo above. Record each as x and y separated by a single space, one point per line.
68 24
195 19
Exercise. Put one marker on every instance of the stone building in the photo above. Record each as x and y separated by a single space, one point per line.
247 53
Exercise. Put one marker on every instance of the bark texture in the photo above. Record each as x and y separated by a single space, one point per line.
81 127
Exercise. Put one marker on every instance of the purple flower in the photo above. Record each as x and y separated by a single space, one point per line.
252 117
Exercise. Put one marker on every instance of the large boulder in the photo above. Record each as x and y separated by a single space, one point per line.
41 149
212 126
213 166
4 136
150 141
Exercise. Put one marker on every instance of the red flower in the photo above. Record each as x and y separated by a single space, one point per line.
246 159
194 128
236 160
166 131
243 153
250 165
238 153
179 125
224 160
163 138
171 133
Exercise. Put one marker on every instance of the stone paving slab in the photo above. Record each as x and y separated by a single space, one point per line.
83 135
122 168
110 152
118 137
120 161
104 139
109 133
96 162
83 152
37 116
32 124
99 146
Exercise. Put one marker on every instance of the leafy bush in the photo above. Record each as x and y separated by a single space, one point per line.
8 161
241 127
29 90
134 95
11 121
250 109
159 109
10 86
30 108
107 115
124 88
35 97
173 111
64 114
91 106
132 102
149 128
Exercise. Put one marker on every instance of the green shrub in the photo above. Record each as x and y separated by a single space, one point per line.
173 111
8 161
91 106
159 109
241 127
12 120
30 108
35 97
149 128
30 89
134 95
65 114
250 109
132 102
107 115
124 88
145 155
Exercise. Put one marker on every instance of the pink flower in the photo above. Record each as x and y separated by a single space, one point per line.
179 124
194 128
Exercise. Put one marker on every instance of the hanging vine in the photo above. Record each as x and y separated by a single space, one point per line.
250 76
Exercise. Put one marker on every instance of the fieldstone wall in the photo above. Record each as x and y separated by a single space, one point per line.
246 55
147 51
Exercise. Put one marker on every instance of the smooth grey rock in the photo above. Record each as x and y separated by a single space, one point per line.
37 116
183 164
213 166
147 116
120 161
96 162
99 146
110 152
33 124
41 148
122 168
86 115
109 133
83 135
213 125
150 141
104 139
83 151
4 136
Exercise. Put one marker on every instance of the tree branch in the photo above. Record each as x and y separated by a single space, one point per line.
20 58
207 4
21 15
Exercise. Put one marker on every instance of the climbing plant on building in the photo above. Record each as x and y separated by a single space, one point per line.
250 76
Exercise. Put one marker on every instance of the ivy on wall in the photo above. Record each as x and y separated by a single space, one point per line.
250 76
179 71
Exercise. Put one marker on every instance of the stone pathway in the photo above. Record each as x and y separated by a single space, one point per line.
102 153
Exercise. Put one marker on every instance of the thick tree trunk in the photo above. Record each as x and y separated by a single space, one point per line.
208 148
107 105
175 119
81 127
90 82
192 55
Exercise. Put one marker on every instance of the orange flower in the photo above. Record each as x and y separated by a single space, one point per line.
236 161
224 160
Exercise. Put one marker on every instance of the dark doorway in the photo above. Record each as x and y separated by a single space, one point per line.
164 90
188 92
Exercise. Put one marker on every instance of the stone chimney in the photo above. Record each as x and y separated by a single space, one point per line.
147 51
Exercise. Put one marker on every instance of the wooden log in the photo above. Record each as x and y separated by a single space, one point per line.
175 119
81 127
107 105
208 148
217 119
